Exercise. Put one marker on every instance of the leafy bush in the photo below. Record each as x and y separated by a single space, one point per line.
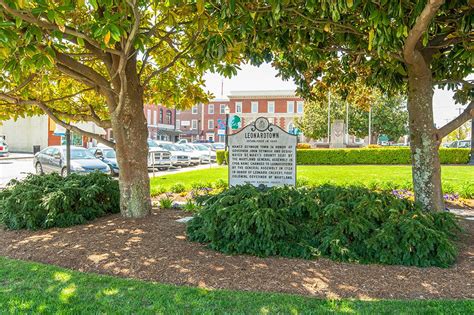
178 188
303 146
45 201
384 155
220 184
190 206
166 203
342 223
222 157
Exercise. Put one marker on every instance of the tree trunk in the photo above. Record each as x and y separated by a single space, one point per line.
426 169
130 133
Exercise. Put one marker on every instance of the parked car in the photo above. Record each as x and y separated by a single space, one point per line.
218 146
3 147
178 156
158 157
465 144
53 160
182 141
108 156
206 154
194 155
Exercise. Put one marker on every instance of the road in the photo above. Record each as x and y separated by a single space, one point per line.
20 168
10 169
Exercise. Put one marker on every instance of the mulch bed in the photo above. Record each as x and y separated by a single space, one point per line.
155 248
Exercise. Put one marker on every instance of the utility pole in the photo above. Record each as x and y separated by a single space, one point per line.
471 162
329 116
370 125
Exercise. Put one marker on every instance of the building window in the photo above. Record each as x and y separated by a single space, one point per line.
222 111
168 117
161 115
178 123
299 107
194 124
178 111
210 109
154 117
254 107
238 107
148 116
210 124
271 107
290 107
195 109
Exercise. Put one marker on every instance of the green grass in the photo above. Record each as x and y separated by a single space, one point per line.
457 179
37 288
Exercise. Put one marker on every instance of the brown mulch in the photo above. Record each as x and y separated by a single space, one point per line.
155 248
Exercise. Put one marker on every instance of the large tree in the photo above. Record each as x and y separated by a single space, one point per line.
408 46
99 61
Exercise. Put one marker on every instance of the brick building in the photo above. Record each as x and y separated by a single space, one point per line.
207 121
161 122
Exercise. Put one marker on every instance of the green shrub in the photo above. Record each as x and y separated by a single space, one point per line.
166 203
156 190
222 157
220 184
303 146
178 188
45 201
342 223
376 155
190 206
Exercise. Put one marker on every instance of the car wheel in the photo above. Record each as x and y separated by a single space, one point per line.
39 169
64 172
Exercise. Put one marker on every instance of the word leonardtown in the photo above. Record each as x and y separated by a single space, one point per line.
262 135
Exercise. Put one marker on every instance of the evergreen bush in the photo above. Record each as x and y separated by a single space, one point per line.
342 223
45 201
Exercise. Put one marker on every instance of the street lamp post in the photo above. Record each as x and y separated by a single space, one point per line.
68 151
227 112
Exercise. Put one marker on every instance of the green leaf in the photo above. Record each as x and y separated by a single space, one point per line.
371 38
200 6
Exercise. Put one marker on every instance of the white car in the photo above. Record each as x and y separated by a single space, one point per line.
194 155
3 147
178 156
205 153
158 158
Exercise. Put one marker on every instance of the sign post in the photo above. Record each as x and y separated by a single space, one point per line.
263 155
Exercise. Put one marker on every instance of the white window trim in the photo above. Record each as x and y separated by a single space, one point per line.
155 117
298 103
222 108
148 116
273 107
209 111
290 104
178 124
195 110
237 105
252 105
194 125
209 125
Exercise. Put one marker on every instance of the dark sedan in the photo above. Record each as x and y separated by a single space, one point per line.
53 160
108 156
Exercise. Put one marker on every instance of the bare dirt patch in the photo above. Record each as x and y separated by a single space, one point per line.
155 248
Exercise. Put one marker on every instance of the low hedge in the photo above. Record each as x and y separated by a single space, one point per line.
342 223
45 201
390 155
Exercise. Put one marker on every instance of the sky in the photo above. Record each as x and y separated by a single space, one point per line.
265 78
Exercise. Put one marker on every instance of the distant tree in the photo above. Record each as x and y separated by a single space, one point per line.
389 117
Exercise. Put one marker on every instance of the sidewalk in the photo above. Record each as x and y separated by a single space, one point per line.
17 156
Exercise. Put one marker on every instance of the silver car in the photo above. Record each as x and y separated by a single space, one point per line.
53 160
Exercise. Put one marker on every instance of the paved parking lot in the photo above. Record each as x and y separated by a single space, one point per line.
20 168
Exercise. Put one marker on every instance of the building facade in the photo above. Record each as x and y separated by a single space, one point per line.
207 121
161 122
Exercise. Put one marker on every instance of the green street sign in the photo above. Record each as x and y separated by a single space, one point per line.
235 122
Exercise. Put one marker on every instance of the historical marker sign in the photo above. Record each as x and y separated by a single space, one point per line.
262 154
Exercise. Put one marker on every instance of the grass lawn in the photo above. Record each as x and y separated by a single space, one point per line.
37 288
459 179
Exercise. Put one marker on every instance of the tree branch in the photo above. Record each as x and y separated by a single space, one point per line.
50 26
457 122
421 25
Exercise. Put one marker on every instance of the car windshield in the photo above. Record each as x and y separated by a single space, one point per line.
109 153
218 146
201 147
152 144
170 147
80 154
187 148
